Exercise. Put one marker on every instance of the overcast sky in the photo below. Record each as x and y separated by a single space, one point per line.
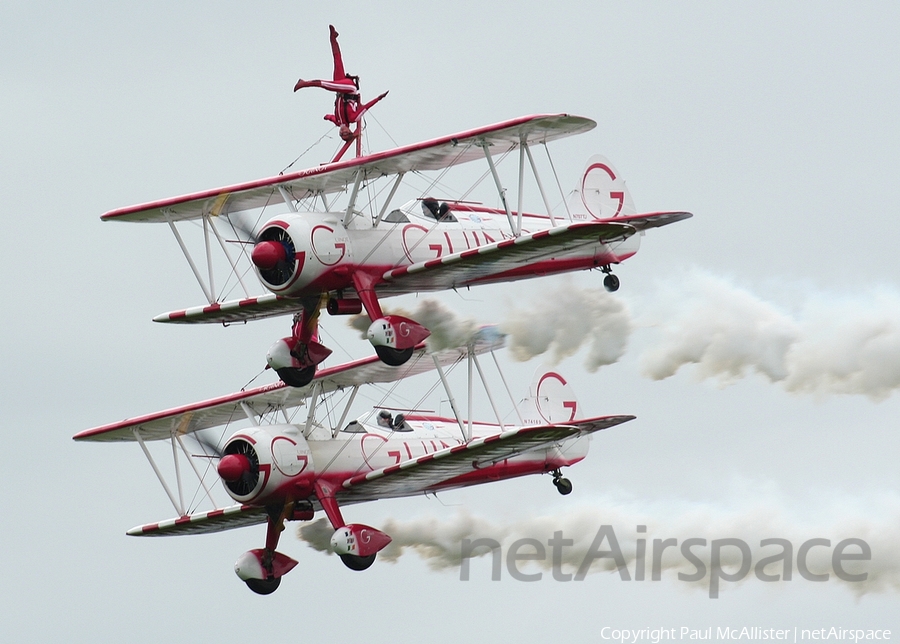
774 123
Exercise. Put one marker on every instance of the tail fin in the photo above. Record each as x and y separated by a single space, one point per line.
551 400
601 193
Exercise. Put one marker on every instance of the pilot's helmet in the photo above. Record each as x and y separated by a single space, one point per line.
384 415
430 207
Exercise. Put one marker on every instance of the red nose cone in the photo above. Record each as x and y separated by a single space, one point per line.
233 466
267 254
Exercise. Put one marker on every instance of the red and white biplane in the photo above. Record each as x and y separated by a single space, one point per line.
282 468
344 257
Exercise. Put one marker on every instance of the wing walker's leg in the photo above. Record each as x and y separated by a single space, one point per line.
339 73
393 336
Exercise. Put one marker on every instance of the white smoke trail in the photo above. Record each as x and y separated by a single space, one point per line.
822 344
440 542
831 345
564 320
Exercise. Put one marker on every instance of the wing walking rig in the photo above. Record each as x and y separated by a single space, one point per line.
345 257
279 469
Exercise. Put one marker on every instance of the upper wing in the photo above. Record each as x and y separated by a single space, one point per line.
467 267
437 467
224 409
435 154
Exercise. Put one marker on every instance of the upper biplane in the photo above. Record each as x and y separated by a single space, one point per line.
284 465
344 257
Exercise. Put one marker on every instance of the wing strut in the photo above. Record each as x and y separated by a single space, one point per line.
140 441
190 460
209 270
287 199
456 415
500 190
508 392
349 214
190 260
337 428
558 184
314 395
487 389
231 261
540 185
522 146
390 198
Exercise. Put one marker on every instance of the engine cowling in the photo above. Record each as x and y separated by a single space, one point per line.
293 251
263 463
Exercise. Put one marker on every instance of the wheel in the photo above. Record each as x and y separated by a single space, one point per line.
393 357
294 377
263 586
563 485
611 283
355 562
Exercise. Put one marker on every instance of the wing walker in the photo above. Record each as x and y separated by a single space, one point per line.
340 237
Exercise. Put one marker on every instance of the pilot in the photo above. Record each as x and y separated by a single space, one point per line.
431 208
400 425
444 212
385 420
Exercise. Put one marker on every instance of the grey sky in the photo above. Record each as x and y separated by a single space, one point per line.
775 123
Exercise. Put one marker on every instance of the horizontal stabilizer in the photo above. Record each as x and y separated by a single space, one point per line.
651 220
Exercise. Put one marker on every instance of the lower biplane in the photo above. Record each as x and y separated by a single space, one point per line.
345 257
280 469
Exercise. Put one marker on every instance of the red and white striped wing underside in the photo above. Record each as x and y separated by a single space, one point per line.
219 520
328 178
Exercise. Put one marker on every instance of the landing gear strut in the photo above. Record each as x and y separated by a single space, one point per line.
262 569
294 359
610 282
563 485
394 337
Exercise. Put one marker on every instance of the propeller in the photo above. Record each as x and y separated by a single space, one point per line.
238 463
273 251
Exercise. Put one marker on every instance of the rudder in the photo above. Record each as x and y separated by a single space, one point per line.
551 400
601 192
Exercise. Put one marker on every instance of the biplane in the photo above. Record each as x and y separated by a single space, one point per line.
336 236
280 468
